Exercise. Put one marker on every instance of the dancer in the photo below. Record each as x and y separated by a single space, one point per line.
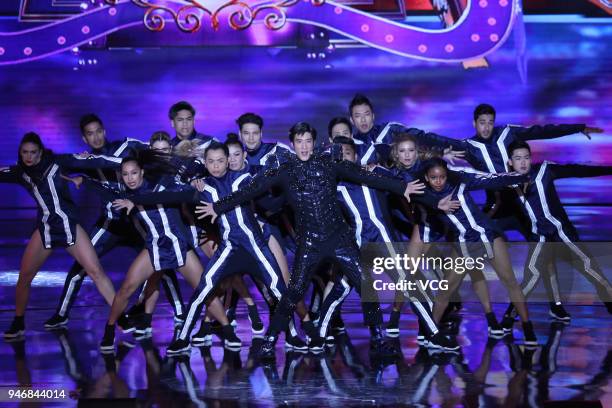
475 234
406 162
250 126
369 216
377 138
182 118
111 229
309 182
168 245
550 224
40 172
241 237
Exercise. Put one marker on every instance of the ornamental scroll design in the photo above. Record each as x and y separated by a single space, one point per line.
188 17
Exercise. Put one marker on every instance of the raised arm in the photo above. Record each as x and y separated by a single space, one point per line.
74 162
189 195
9 175
579 170
356 174
546 131
477 181
260 184
107 190
430 139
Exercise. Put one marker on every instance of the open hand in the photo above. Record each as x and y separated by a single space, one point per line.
122 203
83 155
447 205
198 184
451 155
588 130
206 210
414 187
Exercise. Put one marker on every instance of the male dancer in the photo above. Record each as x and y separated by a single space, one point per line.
369 216
182 119
550 223
251 132
309 182
374 140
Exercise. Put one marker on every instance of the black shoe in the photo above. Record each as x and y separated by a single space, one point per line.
507 323
229 337
267 352
126 324
143 326
16 330
295 343
178 347
56 322
107 345
530 338
494 329
216 327
257 326
558 312
393 325
123 349
314 316
337 324
316 344
204 336
442 342
109 362
136 310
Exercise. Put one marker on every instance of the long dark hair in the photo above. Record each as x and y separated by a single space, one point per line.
155 164
33 138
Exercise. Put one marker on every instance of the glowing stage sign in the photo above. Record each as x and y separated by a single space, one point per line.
483 27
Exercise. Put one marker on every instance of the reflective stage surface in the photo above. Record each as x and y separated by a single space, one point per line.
572 363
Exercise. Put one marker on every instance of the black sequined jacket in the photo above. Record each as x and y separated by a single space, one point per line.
310 190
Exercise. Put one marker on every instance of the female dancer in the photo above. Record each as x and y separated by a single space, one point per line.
40 172
474 232
168 245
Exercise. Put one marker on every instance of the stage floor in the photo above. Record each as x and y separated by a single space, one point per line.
572 363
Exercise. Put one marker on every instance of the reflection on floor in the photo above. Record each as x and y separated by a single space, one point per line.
572 363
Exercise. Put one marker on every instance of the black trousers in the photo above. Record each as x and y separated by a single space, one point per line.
340 249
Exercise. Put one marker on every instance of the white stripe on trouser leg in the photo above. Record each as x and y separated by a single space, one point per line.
194 235
587 263
168 232
100 232
425 316
175 299
260 256
69 291
402 277
141 297
205 291
292 329
56 204
332 307
535 273
554 285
